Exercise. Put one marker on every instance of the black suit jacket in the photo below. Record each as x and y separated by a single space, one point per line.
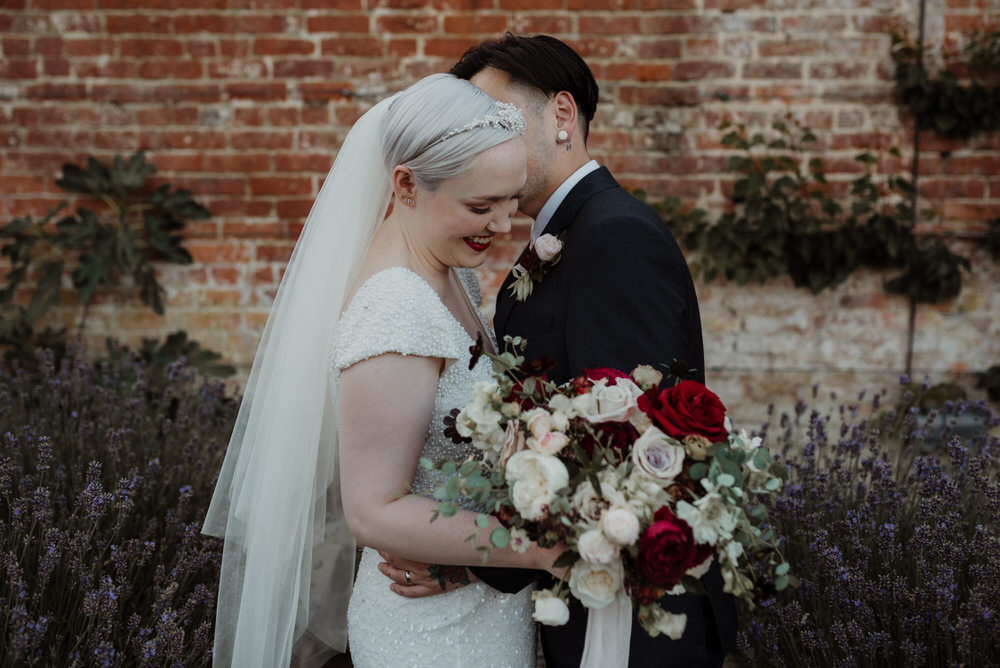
620 296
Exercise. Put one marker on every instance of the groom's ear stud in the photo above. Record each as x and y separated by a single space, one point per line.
562 135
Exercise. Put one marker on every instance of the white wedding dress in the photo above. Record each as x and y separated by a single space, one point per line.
469 627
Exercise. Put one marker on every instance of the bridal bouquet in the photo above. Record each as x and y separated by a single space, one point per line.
644 487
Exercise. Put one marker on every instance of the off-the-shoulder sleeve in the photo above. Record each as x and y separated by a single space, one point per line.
396 311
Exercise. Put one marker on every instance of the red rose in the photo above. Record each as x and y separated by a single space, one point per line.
684 409
597 374
667 549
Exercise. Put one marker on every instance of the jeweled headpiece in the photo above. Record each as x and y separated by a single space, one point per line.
508 117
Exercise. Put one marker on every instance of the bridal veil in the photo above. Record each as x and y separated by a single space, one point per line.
288 560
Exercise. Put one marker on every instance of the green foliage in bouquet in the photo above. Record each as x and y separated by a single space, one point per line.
140 225
104 483
942 101
893 525
639 485
784 222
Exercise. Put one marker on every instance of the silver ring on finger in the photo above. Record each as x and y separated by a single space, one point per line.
409 579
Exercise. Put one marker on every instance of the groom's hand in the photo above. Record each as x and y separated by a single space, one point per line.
424 579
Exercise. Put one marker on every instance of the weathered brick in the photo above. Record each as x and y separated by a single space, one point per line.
281 186
339 23
269 46
174 69
138 23
302 69
351 46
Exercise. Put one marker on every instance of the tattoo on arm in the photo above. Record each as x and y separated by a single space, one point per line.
446 574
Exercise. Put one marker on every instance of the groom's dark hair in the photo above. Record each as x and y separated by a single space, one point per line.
541 63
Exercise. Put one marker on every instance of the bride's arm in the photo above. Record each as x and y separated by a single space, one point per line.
386 404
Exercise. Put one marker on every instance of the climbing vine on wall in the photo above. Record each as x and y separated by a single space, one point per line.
950 104
784 221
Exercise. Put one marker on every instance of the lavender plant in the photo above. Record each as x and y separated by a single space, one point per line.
893 526
104 481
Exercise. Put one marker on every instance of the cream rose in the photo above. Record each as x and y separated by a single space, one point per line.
538 421
646 376
534 481
547 246
549 608
596 585
612 403
658 456
549 443
595 548
620 525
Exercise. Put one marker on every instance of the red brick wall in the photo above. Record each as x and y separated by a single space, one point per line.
245 102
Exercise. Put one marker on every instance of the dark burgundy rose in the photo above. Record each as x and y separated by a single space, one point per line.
667 549
684 409
597 374
619 436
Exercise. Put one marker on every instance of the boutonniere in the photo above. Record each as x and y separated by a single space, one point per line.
536 261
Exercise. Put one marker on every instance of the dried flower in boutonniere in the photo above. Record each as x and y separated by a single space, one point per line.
536 261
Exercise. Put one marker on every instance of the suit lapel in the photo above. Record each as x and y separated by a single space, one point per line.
598 180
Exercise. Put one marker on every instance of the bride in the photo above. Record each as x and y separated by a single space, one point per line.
365 351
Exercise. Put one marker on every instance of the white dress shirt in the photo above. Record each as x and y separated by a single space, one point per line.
545 215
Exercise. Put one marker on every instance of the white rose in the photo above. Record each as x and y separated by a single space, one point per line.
534 481
646 376
595 548
620 524
658 456
547 247
590 505
596 585
549 608
612 403
550 443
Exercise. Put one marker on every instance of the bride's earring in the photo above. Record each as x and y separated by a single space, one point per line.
409 201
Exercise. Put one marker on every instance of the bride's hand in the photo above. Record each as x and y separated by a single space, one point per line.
424 579
548 556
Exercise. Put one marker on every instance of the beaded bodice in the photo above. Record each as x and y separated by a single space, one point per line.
396 311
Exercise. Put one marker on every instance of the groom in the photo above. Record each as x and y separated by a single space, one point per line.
621 295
